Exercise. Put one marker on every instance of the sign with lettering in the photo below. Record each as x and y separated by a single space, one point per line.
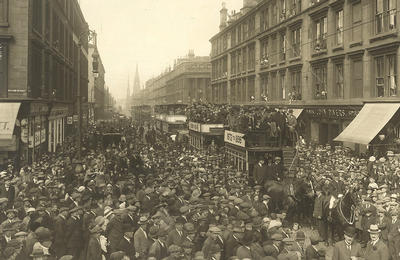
234 138
332 113
8 114
69 120
195 126
35 139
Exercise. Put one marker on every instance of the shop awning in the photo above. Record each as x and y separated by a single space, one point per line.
8 114
297 112
368 123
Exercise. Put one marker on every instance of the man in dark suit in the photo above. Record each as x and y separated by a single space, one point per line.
376 249
176 236
232 243
158 248
347 248
277 169
8 191
141 240
259 172
60 230
94 250
393 226
74 234
126 243
318 213
115 230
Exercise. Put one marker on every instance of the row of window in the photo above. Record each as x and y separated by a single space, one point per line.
57 81
287 85
385 19
56 31
243 60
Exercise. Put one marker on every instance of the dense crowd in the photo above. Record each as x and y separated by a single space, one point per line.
277 124
133 200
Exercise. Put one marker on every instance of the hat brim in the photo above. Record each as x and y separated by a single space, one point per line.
349 234
374 231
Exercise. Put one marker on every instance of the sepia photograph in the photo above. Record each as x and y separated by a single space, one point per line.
199 130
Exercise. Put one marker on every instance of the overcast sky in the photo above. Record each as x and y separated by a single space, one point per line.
150 33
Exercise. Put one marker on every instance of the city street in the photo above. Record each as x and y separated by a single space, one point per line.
204 130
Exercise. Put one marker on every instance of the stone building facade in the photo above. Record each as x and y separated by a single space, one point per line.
39 44
327 57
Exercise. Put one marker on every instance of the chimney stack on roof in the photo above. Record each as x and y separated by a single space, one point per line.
248 5
223 17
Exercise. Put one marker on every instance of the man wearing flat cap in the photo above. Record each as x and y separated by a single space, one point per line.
214 242
158 248
176 235
141 240
275 248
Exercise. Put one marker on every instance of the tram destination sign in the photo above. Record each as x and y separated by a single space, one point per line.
234 138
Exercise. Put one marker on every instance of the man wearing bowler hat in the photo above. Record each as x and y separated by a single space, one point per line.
347 248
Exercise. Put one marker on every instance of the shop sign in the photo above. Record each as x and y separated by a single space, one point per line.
332 113
69 120
195 126
234 138
36 138
24 135
75 118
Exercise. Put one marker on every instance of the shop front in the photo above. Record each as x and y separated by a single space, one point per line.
58 120
323 125
8 132
33 120
376 127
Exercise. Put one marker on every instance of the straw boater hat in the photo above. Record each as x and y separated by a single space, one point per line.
374 229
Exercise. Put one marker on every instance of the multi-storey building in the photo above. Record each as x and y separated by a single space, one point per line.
188 81
96 89
327 57
41 42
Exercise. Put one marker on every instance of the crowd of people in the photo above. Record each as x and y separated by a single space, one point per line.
277 124
135 200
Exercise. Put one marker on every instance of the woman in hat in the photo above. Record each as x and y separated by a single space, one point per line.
376 249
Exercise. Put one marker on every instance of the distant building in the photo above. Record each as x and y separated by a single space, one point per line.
186 82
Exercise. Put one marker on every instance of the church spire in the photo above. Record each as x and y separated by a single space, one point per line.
136 83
